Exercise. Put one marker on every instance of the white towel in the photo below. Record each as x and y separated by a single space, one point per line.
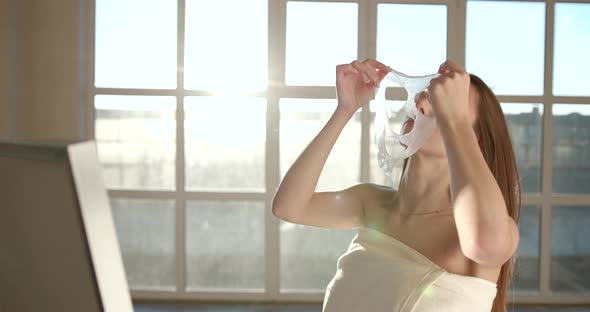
379 273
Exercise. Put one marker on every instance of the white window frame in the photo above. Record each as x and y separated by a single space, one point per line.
367 28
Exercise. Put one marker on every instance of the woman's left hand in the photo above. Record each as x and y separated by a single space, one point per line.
449 94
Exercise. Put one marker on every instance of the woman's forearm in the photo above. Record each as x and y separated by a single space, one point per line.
484 227
298 185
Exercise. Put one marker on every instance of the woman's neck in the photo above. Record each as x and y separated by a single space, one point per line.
424 187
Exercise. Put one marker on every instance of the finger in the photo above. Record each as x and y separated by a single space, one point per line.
381 70
450 65
357 66
380 66
382 73
441 68
364 69
372 71
434 82
348 68
345 69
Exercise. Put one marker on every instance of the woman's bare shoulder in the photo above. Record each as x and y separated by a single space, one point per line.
372 191
381 190
378 202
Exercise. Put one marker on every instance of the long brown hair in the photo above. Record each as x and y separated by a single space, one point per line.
495 144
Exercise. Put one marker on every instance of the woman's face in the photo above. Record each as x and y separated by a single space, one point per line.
434 146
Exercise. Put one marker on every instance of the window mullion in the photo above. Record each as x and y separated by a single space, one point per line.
456 31
180 163
547 174
90 45
277 28
367 48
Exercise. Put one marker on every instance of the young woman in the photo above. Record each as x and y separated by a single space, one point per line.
445 239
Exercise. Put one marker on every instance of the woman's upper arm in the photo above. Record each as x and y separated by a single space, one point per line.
342 209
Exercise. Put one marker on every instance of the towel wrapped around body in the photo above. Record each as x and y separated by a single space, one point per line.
379 273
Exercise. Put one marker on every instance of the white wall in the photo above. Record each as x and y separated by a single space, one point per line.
46 77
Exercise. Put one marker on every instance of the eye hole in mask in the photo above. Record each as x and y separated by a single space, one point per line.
401 130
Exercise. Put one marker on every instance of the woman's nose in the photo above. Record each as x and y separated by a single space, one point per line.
422 103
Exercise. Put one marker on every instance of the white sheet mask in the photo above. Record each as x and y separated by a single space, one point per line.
389 120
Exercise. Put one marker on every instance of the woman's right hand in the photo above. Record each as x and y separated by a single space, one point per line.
357 83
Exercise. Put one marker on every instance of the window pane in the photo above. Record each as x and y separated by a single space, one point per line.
525 122
378 175
225 143
136 140
309 255
572 47
526 271
135 44
226 38
225 245
319 37
414 48
497 52
145 230
301 121
571 148
570 249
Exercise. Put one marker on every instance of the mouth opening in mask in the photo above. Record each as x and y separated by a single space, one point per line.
408 125
403 125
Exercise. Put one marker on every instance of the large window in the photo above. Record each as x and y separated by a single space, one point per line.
200 108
